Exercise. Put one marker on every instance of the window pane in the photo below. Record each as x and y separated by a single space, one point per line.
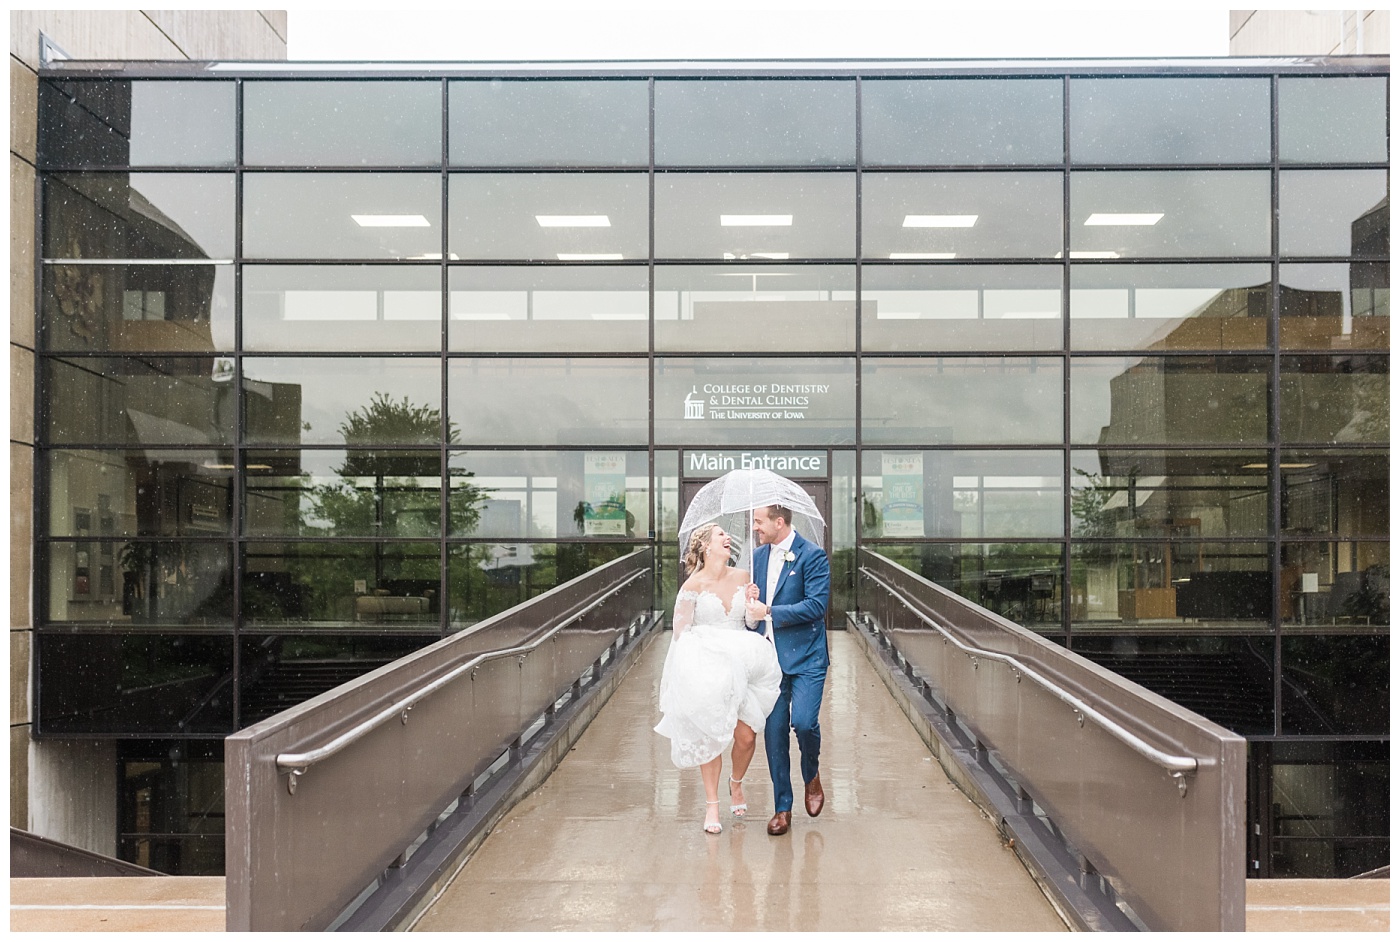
342 215
1227 679
595 309
170 801
279 671
1185 400
343 493
751 123
966 494
1331 805
138 308
668 491
760 216
1337 684
557 401
1332 119
765 307
341 124
549 494
1174 213
134 684
962 400
909 309
1020 581
1169 494
960 121
1169 307
489 578
1325 307
845 520
565 217
342 307
132 584
1334 212
1168 120
141 124
1335 399
962 215
534 123
755 400
139 215
1341 493
342 587
140 401
1336 588
1170 582
151 492
343 400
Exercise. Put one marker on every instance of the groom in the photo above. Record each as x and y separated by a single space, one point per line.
793 582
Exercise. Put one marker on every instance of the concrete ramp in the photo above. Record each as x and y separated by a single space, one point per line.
612 841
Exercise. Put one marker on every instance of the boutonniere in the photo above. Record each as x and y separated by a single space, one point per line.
789 557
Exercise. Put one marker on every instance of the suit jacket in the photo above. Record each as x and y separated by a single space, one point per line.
799 605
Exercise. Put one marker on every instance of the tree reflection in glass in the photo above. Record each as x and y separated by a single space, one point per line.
394 493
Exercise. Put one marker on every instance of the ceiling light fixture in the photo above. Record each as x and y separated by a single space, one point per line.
939 222
1123 219
1074 255
386 221
590 256
909 255
573 222
727 219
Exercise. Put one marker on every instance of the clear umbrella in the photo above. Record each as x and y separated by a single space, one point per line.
730 501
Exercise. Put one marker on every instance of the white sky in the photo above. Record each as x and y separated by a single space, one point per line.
533 30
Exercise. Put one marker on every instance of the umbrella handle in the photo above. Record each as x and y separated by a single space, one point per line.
755 546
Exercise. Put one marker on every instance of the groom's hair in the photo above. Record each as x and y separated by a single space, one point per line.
778 510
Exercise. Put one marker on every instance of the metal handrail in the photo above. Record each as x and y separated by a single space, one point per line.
1177 765
298 762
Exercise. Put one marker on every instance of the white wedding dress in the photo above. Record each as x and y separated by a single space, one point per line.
716 673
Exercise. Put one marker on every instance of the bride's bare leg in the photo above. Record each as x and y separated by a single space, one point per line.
709 775
745 740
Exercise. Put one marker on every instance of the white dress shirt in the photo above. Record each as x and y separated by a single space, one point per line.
775 569
775 563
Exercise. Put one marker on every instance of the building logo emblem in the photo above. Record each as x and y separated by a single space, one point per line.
694 406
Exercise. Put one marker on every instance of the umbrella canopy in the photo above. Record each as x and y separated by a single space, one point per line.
729 500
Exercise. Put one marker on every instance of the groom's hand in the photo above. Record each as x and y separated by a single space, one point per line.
755 611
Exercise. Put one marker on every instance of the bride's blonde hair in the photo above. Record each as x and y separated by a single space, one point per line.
695 549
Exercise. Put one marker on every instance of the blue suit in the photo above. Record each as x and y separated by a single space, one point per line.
799 633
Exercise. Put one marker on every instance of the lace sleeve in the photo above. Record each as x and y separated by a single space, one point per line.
685 610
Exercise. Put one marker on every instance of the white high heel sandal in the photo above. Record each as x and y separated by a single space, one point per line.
742 808
716 827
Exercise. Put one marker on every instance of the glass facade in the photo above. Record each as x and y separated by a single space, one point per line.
351 363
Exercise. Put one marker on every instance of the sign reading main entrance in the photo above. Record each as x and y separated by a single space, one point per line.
793 464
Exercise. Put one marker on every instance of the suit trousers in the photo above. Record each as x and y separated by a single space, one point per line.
799 701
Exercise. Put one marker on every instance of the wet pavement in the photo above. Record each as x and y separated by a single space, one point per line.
613 840
117 904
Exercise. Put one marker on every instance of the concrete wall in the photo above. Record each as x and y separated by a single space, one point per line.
1309 33
74 784
67 790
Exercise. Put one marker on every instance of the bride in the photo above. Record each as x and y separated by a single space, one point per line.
720 681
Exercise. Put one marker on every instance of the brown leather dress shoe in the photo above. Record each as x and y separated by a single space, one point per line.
779 823
815 798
